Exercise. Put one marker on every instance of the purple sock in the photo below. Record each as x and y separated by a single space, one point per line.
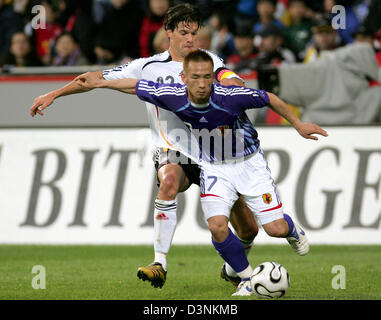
233 252
292 232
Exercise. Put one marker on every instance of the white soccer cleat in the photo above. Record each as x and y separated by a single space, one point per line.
299 241
244 288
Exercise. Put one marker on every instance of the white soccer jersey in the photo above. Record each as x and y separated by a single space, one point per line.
165 125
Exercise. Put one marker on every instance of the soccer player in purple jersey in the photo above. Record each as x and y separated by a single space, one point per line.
242 169
182 23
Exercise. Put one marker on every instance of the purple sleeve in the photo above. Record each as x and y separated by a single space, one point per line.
259 99
240 99
149 91
253 99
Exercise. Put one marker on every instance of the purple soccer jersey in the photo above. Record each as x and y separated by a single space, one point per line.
224 114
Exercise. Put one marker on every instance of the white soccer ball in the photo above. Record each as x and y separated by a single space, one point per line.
270 280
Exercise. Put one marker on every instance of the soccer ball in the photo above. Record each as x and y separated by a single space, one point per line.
270 280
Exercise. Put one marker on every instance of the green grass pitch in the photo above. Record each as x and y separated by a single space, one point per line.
109 272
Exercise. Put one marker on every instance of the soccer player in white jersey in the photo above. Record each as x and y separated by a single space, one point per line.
181 23
240 169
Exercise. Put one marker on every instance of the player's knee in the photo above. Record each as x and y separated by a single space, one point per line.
275 233
169 185
248 232
276 228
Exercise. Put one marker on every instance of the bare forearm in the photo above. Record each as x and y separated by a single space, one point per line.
124 85
283 109
72 88
44 101
305 129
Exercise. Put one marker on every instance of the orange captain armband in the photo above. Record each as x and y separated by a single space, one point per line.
223 73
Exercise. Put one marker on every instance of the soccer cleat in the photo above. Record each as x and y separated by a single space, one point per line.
154 273
244 288
298 241
233 280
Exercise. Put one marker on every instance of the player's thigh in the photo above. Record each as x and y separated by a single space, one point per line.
217 195
242 220
177 168
259 190
173 175
266 207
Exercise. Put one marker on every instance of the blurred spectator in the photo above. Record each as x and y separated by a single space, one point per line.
271 48
68 52
281 11
76 17
19 6
272 53
99 9
246 12
299 32
206 7
324 38
222 39
266 12
204 38
244 61
160 41
118 32
10 22
20 53
151 23
373 22
44 38
352 23
335 89
361 9
364 35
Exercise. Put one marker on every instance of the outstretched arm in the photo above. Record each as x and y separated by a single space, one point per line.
305 129
44 101
88 81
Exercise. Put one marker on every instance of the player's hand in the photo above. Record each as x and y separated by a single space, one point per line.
88 80
40 103
307 129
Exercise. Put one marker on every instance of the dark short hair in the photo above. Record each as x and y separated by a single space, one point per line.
323 24
197 56
244 31
182 13
69 34
273 2
271 30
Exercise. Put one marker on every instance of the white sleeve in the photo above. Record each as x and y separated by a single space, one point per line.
217 61
132 69
218 64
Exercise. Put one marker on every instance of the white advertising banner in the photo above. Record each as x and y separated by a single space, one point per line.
97 186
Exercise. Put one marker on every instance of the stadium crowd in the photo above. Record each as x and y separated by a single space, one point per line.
247 34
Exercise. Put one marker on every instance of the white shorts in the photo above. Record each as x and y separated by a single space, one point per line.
221 185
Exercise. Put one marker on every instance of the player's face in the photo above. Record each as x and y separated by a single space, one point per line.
199 77
181 40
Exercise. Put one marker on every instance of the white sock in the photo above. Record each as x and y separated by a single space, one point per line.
245 273
247 245
164 228
161 258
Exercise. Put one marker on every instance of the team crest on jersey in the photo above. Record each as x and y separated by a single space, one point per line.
267 198
221 130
